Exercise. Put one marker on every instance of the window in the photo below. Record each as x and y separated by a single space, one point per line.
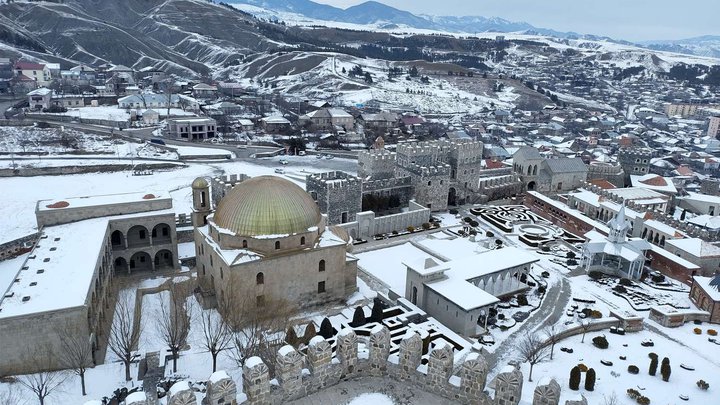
260 279
321 287
202 199
222 274
302 240
277 244
321 265
203 269
244 244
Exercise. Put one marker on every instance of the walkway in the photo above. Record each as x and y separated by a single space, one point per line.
401 393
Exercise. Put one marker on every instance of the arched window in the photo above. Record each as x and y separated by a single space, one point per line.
302 240
277 244
414 295
244 244
202 199
321 265
260 279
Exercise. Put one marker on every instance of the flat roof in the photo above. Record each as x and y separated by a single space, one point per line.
696 247
99 200
636 193
462 293
489 262
711 290
677 259
59 272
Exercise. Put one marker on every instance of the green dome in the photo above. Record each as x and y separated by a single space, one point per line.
267 205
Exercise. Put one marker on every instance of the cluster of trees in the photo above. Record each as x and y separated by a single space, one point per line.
695 74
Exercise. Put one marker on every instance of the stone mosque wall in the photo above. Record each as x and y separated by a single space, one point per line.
298 375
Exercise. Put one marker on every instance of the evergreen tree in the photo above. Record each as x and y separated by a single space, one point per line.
326 329
309 333
377 311
291 337
653 366
665 369
590 379
358 317
575 378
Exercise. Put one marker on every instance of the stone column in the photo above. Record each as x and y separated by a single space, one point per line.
474 376
379 346
347 350
256 381
508 386
181 394
221 389
440 363
547 393
288 371
410 354
319 355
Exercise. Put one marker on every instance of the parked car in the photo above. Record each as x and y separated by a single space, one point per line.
283 162
279 171
157 141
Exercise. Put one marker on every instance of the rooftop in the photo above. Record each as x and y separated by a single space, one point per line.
696 247
100 200
462 293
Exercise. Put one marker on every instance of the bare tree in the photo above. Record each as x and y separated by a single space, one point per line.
76 353
532 350
173 320
124 334
10 395
611 399
217 336
551 333
258 326
44 383
585 326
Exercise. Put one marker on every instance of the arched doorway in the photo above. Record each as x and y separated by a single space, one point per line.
452 196
161 234
163 259
138 236
117 240
120 266
531 186
414 295
140 261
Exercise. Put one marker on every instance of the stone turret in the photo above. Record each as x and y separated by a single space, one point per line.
347 350
221 389
410 354
508 386
379 346
256 381
440 363
474 372
288 371
181 394
547 393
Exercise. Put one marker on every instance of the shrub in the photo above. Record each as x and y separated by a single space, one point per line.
545 274
703 385
426 225
542 289
658 278
600 342
474 223
522 299
712 332
653 366
326 329
358 317
572 262
575 378
590 380
545 248
378 236
472 232
467 219
54 109
643 400
583 368
665 369
394 232
595 275
489 234
633 369
570 255
626 282
586 311
498 242
620 289
309 333
291 337
596 314
653 355
453 211
377 313
698 331
411 229
501 316
633 393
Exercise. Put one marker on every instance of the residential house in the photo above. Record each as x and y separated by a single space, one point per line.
38 72
202 90
328 119
383 121
40 98
158 101
192 128
275 124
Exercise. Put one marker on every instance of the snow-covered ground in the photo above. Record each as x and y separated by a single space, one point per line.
371 399
113 113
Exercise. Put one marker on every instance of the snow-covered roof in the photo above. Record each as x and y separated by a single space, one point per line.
711 285
696 247
100 200
689 266
653 182
42 91
462 293
702 197
275 120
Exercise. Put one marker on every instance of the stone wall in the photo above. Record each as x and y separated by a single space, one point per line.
221 185
338 195
367 224
18 246
47 217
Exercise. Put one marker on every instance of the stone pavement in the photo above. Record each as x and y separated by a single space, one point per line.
401 393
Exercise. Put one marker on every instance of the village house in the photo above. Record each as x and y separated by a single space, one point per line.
38 72
705 294
328 119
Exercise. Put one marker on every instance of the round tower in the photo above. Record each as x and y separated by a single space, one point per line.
202 206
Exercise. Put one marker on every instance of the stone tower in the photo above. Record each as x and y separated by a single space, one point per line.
202 207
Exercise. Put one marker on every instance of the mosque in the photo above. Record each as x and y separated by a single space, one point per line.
267 240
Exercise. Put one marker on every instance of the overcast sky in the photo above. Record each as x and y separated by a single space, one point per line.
634 20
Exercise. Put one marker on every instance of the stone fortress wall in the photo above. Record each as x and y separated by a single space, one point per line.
338 194
299 374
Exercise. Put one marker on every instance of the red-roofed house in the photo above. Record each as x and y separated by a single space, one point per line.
39 72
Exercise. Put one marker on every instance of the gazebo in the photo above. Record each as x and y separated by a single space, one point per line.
615 254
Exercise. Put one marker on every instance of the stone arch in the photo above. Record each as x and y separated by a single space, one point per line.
140 261
531 186
260 278
117 240
452 196
277 245
662 240
161 233
302 240
244 245
164 259
534 170
321 265
656 238
120 265
138 235
529 170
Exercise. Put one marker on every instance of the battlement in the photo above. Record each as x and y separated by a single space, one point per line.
383 184
221 185
376 154
605 168
332 180
428 171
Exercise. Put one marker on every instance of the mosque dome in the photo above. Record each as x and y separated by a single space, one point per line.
267 205
200 182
